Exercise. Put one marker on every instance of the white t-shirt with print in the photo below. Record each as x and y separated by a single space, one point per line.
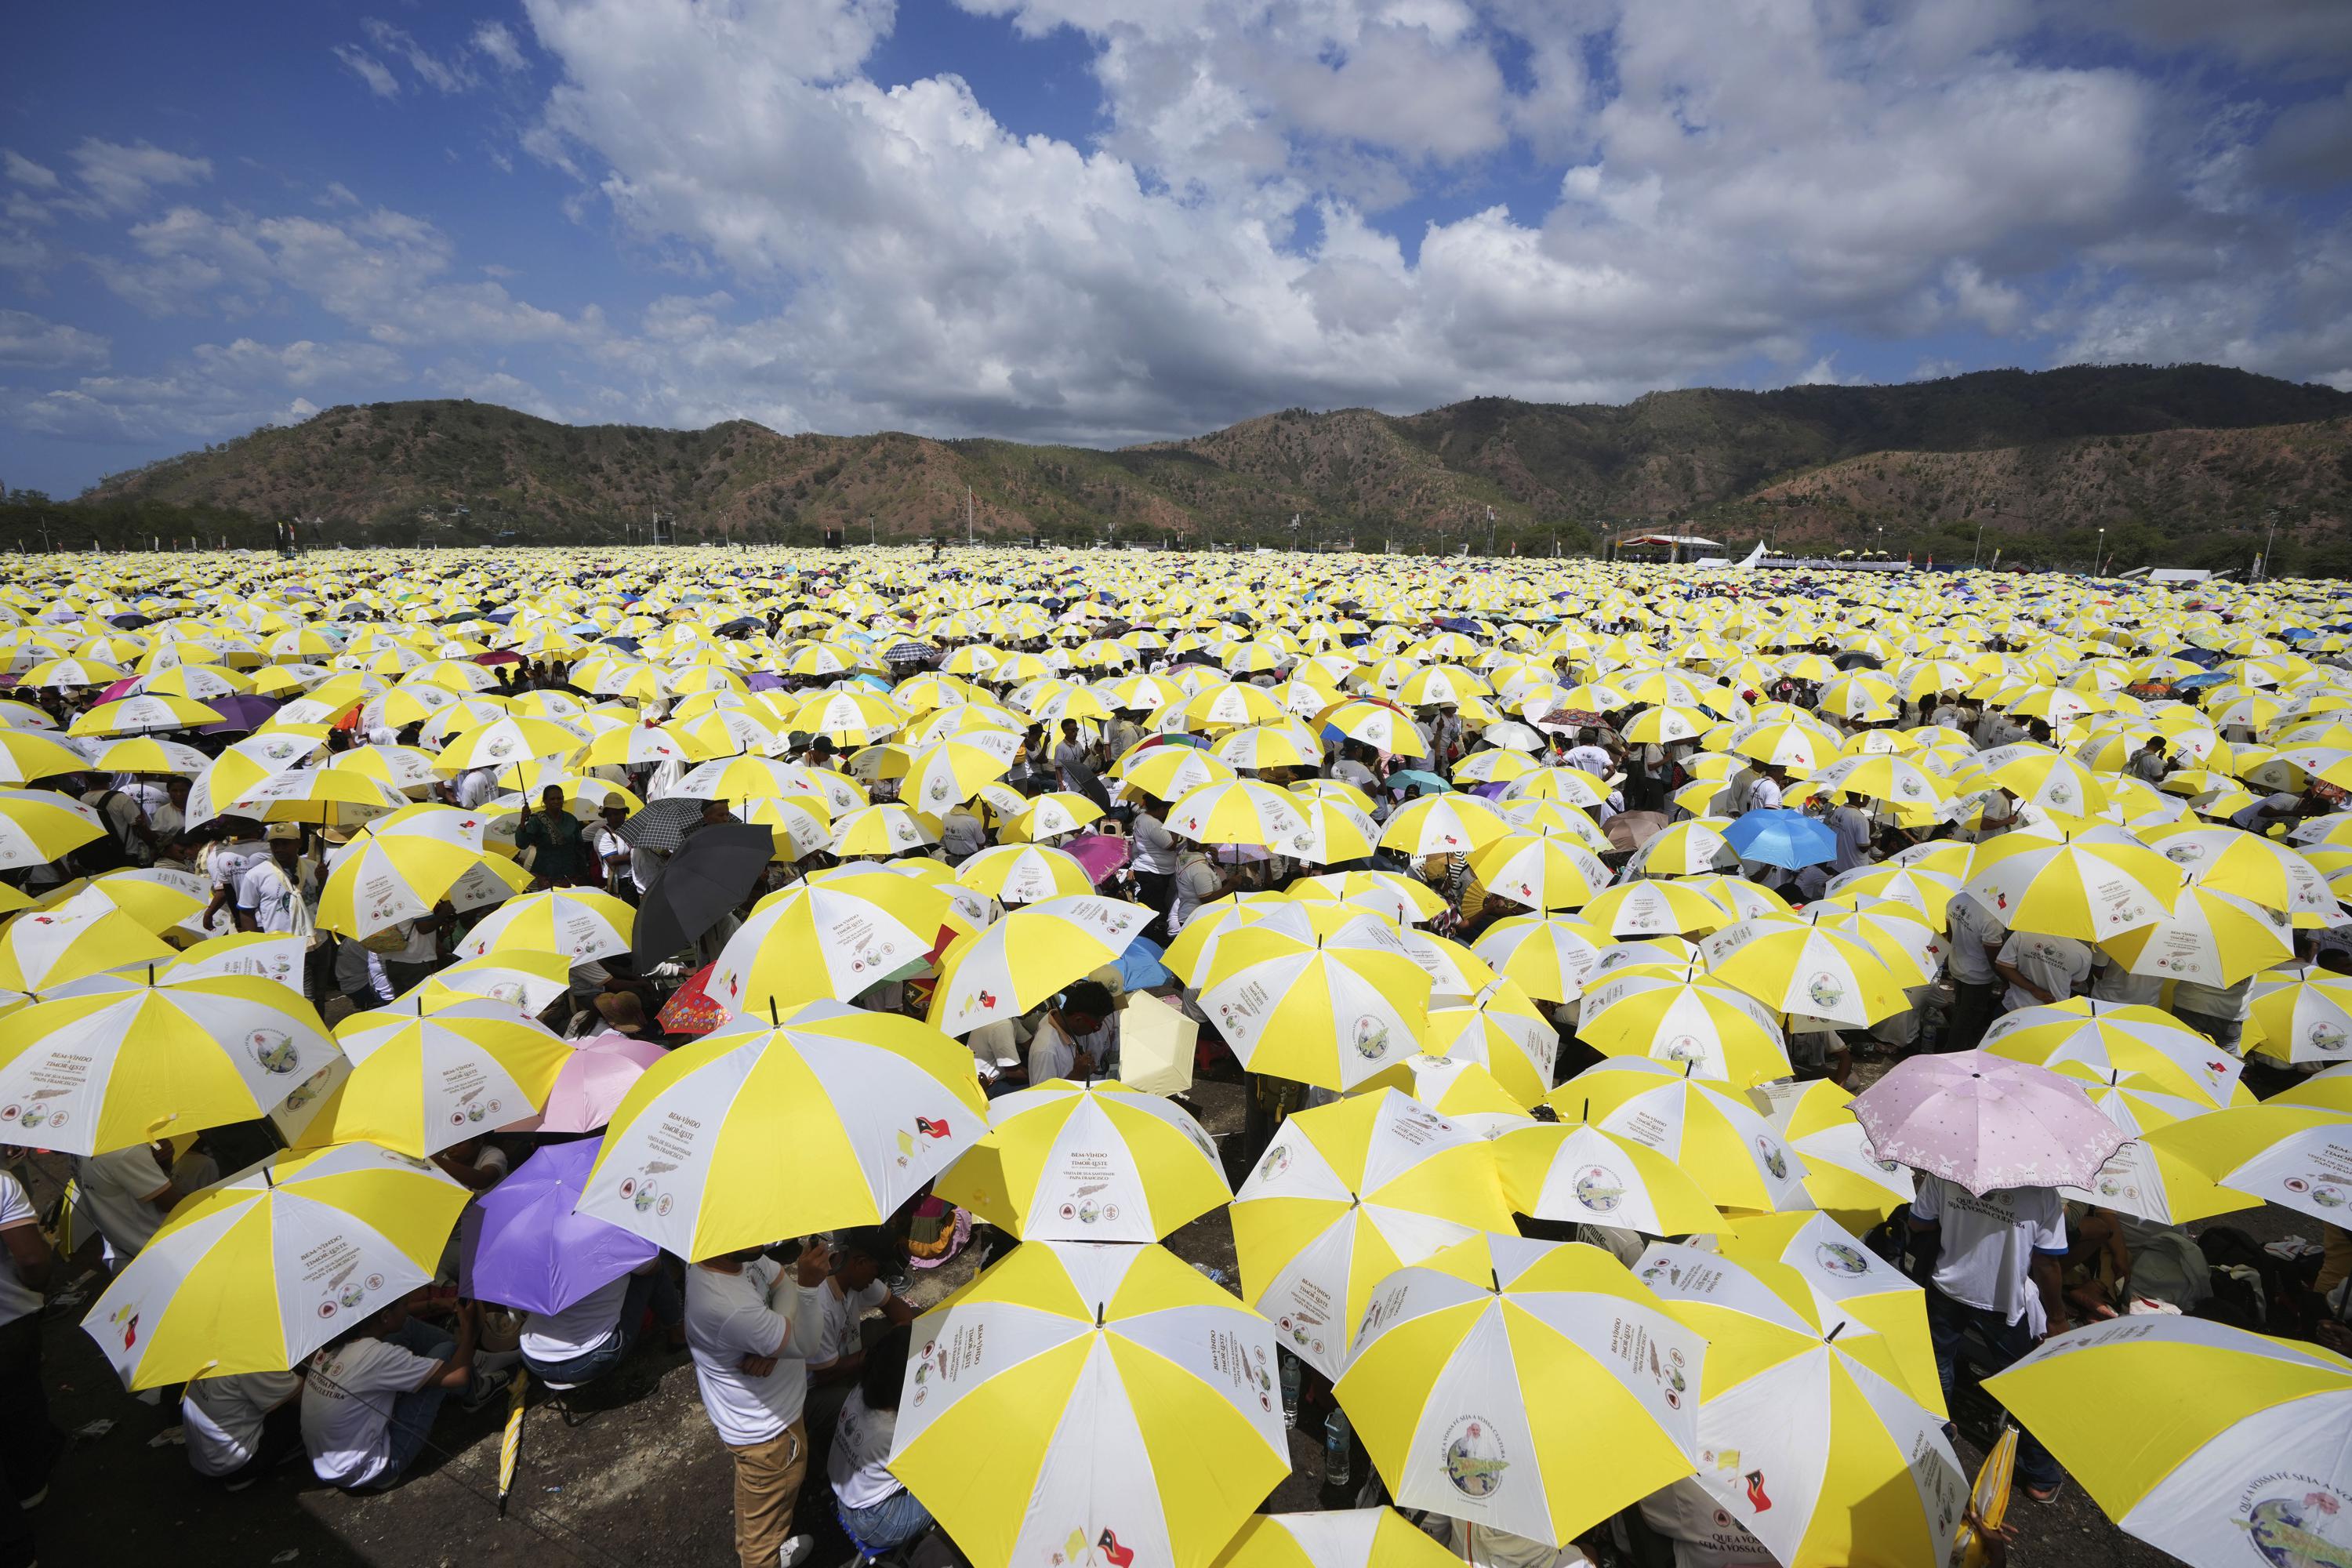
347 1407
727 1317
843 1312
112 1189
1988 1244
222 1416
1974 928
17 1299
860 1445
583 1326
2059 964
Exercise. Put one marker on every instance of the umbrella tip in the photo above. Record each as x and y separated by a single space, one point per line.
774 1019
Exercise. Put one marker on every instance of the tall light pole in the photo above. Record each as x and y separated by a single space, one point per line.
2268 539
2098 558
1978 548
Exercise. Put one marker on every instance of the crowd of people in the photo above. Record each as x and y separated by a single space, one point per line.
1548 775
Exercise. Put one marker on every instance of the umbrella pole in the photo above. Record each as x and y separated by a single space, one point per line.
510 1441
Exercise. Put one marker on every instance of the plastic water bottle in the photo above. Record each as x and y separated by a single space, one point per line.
1214 1275
1337 1442
1290 1375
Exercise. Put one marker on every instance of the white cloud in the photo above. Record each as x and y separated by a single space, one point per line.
382 271
123 178
25 172
496 43
453 75
28 341
368 68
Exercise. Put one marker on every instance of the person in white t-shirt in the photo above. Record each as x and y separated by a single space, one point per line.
237 845
854 1290
242 1427
369 1397
595 1334
750 1366
2040 968
29 1445
2000 1264
1702 1532
876 1509
126 1193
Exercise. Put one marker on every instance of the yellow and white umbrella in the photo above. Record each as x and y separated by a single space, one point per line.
828 941
421 1081
1343 1196
1540 872
1532 1387
527 981
1735 1155
1091 1406
1573 1173
401 866
1171 772
1020 962
1443 825
2301 1018
257 1271
41 949
90 1073
1500 1028
1549 957
2150 1181
1050 815
1844 1177
2105 1040
1686 848
1805 971
579 922
509 740
1848 1278
2092 884
1099 1162
2231 860
1808 1432
1318 1014
2237 1442
144 715
2297 1156
1695 1022
834 1118
1023 873
1654 908
1238 811
1343 1538
40 824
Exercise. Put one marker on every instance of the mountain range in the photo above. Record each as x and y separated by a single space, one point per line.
2179 464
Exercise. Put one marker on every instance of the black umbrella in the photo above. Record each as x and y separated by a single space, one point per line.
713 872
662 824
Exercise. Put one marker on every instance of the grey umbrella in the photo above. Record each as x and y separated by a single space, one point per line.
662 824
710 873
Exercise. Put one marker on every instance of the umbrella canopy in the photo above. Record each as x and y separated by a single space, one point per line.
2240 1445
579 922
1533 1387
1708 1130
533 1252
1780 837
826 941
834 1118
1101 1162
421 1082
257 1270
1985 1122
1024 959
714 871
1344 1195
1103 1396
1579 1175
1347 1538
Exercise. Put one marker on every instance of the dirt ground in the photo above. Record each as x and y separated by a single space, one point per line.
640 1481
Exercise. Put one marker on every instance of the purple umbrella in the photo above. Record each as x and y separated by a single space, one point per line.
240 714
533 1252
1987 1122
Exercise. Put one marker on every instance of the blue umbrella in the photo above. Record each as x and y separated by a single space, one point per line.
533 1252
1416 780
1785 838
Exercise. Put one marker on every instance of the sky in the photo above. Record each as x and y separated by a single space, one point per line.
1107 221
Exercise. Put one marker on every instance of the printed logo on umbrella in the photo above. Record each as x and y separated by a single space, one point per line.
1474 1458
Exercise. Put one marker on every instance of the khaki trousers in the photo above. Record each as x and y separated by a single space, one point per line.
767 1480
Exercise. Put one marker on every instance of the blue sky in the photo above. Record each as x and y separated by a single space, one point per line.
1115 220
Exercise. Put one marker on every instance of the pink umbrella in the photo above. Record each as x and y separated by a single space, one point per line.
1986 1123
590 1088
1100 853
